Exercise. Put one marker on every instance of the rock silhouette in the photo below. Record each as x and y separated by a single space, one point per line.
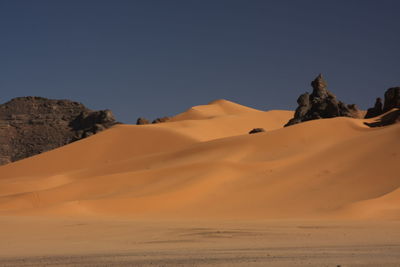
257 130
392 100
387 119
160 120
142 121
32 125
321 103
376 110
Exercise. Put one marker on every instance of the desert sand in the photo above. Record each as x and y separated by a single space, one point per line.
200 190
44 241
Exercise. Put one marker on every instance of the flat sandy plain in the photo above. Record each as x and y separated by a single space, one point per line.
200 191
104 242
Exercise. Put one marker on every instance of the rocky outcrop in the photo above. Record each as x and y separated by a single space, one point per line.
142 121
387 119
390 107
32 125
160 120
392 100
321 103
257 130
91 122
376 110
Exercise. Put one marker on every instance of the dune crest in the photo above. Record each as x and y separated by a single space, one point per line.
216 108
222 118
204 164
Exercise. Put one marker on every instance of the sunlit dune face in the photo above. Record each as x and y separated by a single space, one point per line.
204 164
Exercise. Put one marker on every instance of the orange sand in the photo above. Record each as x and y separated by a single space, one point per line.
204 164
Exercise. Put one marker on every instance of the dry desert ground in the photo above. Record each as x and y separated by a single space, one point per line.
200 191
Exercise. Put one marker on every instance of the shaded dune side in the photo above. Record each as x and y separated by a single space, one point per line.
317 169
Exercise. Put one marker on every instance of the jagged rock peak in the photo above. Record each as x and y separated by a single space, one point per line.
319 83
321 103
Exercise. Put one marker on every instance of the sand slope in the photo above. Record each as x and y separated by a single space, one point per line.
222 118
203 164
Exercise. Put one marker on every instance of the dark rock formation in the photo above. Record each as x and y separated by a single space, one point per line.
376 110
387 119
91 122
392 100
257 130
163 119
32 125
321 103
142 121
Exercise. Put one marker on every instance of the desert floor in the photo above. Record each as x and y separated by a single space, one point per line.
35 241
199 190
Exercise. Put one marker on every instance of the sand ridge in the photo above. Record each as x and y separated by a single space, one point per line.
204 164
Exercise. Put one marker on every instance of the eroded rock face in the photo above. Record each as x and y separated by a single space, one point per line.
392 100
390 118
321 103
32 125
376 110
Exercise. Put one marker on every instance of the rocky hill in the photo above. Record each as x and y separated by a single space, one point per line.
320 104
32 125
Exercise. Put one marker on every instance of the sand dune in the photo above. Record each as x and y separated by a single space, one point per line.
222 118
203 164
216 108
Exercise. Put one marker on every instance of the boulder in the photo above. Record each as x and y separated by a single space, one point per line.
160 120
257 130
142 121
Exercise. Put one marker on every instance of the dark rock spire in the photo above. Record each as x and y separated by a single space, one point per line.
376 110
321 103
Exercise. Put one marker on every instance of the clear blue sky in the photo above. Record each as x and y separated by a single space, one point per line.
154 58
